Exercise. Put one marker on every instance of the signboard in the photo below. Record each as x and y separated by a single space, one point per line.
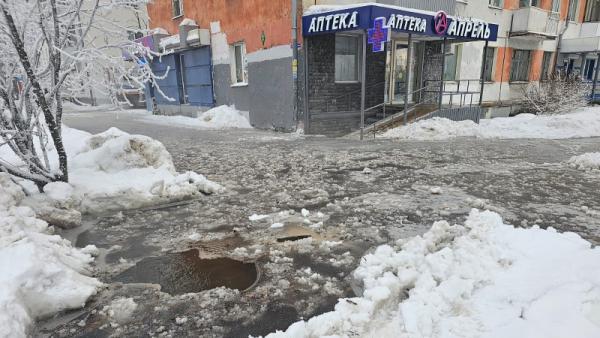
381 19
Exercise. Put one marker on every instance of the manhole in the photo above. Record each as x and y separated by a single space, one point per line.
186 272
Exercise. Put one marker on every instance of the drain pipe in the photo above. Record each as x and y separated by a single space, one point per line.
562 32
294 16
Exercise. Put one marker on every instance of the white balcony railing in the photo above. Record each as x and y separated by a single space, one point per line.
535 21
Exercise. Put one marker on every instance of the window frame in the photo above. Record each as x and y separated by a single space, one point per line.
493 52
357 58
589 5
500 4
529 3
573 15
234 65
180 12
457 55
547 60
514 74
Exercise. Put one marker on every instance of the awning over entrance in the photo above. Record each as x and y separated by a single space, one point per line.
380 19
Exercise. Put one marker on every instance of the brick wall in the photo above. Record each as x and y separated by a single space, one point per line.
327 98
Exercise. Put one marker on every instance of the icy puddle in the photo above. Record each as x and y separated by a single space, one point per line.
186 272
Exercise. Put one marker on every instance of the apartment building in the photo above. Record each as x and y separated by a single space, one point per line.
366 62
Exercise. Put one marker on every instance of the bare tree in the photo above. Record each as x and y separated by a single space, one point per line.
558 94
48 53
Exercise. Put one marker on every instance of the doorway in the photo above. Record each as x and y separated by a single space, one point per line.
399 76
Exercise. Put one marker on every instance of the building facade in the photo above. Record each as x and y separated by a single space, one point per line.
245 59
240 52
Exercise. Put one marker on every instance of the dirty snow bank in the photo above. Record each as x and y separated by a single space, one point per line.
40 273
116 170
587 161
109 171
480 279
222 117
584 123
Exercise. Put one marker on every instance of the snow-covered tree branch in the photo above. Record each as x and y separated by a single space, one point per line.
558 94
54 50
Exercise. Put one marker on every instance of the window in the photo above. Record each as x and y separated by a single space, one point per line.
573 6
520 65
496 3
177 8
546 65
489 63
347 52
555 6
527 3
451 63
588 69
239 69
592 11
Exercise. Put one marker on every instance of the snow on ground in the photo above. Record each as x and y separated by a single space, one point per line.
584 123
222 117
481 279
115 170
587 161
40 273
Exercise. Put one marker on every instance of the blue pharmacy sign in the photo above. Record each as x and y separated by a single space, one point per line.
378 35
379 21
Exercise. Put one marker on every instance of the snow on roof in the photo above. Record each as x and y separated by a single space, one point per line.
318 9
158 30
188 22
169 41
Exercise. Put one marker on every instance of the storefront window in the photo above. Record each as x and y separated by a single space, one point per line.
347 52
489 63
239 73
451 62
592 11
520 65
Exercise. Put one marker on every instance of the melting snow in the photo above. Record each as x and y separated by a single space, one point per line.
585 123
481 279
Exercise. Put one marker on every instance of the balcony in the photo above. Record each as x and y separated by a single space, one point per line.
588 40
535 22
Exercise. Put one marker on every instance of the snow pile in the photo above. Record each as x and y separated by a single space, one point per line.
585 123
480 279
222 117
116 170
587 161
40 273
121 309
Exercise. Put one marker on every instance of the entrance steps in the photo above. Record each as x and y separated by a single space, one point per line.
378 124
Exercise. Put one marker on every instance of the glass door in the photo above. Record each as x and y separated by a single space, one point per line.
400 76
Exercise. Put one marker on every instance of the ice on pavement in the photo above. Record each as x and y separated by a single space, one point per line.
481 279
587 161
40 273
584 123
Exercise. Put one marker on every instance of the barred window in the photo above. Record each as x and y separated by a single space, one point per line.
520 65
